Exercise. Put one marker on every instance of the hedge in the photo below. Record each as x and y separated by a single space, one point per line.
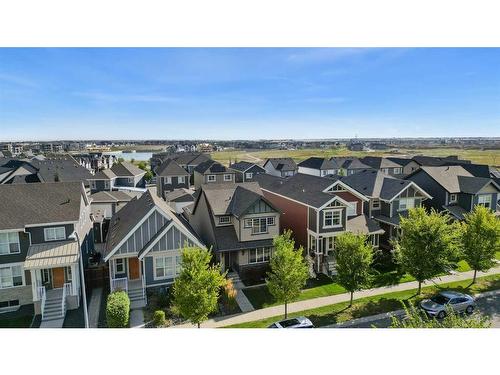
118 310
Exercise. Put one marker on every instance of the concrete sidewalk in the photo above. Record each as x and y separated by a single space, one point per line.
330 300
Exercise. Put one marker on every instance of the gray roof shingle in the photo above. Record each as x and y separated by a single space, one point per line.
170 168
282 164
126 169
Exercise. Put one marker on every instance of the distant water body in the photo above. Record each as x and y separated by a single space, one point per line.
141 156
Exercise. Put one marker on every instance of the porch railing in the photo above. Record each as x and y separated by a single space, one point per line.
143 287
42 296
63 301
119 284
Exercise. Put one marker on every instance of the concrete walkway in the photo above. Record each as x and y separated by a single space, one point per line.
269 312
53 323
95 307
241 299
136 318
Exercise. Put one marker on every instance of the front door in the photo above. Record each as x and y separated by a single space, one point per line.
133 268
227 262
58 277
46 278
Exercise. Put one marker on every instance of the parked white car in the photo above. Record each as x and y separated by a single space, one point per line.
459 302
299 322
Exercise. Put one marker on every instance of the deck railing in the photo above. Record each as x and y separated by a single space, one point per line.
63 301
42 296
119 284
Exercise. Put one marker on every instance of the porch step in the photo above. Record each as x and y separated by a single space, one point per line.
135 294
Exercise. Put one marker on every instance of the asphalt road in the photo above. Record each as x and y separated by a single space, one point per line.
489 306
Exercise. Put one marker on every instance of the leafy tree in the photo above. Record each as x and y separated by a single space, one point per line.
142 165
120 160
148 176
353 259
416 318
428 245
480 239
289 270
196 289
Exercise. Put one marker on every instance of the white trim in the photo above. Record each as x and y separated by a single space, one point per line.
333 199
10 265
161 234
211 175
340 218
230 175
52 224
415 186
454 200
115 266
45 237
9 243
349 189
164 255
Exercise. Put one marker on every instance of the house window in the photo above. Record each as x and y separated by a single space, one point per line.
119 266
332 218
224 219
385 170
164 267
259 255
323 173
406 204
373 238
398 170
330 243
106 184
352 209
11 276
258 225
270 220
9 243
484 200
248 175
211 178
453 198
130 180
375 204
178 265
169 180
92 185
312 243
228 177
180 179
54 234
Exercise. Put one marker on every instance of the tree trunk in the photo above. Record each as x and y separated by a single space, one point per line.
286 310
352 295
198 324
474 278
419 287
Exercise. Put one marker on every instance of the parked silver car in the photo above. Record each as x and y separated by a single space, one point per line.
459 302
299 322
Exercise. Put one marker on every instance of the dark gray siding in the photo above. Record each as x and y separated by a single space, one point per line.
100 186
427 183
312 219
385 208
464 201
37 233
149 273
162 186
24 244
330 230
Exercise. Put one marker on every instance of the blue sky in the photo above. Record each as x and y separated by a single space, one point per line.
49 94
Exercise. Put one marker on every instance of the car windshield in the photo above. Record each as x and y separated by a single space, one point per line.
440 299
289 323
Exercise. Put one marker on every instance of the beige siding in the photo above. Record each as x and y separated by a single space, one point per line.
246 233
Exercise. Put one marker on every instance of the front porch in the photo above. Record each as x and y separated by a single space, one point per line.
128 274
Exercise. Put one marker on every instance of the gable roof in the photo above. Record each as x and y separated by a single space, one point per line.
446 176
401 161
319 163
282 164
39 203
472 185
242 166
179 195
378 162
110 196
349 163
105 174
210 166
126 169
434 161
170 168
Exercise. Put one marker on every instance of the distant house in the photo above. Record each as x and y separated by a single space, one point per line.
239 223
170 176
319 167
384 165
179 199
144 244
355 146
408 165
280 167
389 198
187 160
317 210
456 190
122 175
349 165
434 161
245 171
210 172
104 204
39 262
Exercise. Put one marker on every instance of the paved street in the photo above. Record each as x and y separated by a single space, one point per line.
489 305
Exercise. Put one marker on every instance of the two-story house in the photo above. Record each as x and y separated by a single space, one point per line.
212 172
280 167
239 223
319 166
383 165
245 171
349 165
408 165
124 176
144 244
170 176
39 258
456 190
388 198
317 209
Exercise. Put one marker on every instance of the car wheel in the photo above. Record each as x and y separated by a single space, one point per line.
469 309
441 315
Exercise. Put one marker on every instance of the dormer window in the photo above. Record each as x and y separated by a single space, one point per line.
211 178
453 198
223 220
228 177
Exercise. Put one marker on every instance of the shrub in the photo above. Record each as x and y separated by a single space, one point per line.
118 310
159 318
163 298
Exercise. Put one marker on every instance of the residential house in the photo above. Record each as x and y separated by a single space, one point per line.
317 209
170 176
280 167
187 160
210 172
239 223
121 176
388 199
39 261
355 145
349 165
384 165
315 166
245 171
179 198
104 204
456 190
434 161
143 246
408 165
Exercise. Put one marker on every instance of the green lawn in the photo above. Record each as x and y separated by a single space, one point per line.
340 312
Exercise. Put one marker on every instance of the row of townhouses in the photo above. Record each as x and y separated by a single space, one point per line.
56 214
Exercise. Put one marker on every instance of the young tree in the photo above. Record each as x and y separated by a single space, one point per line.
196 289
417 319
480 239
428 245
289 270
353 260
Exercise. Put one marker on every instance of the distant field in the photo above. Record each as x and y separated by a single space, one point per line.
490 157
